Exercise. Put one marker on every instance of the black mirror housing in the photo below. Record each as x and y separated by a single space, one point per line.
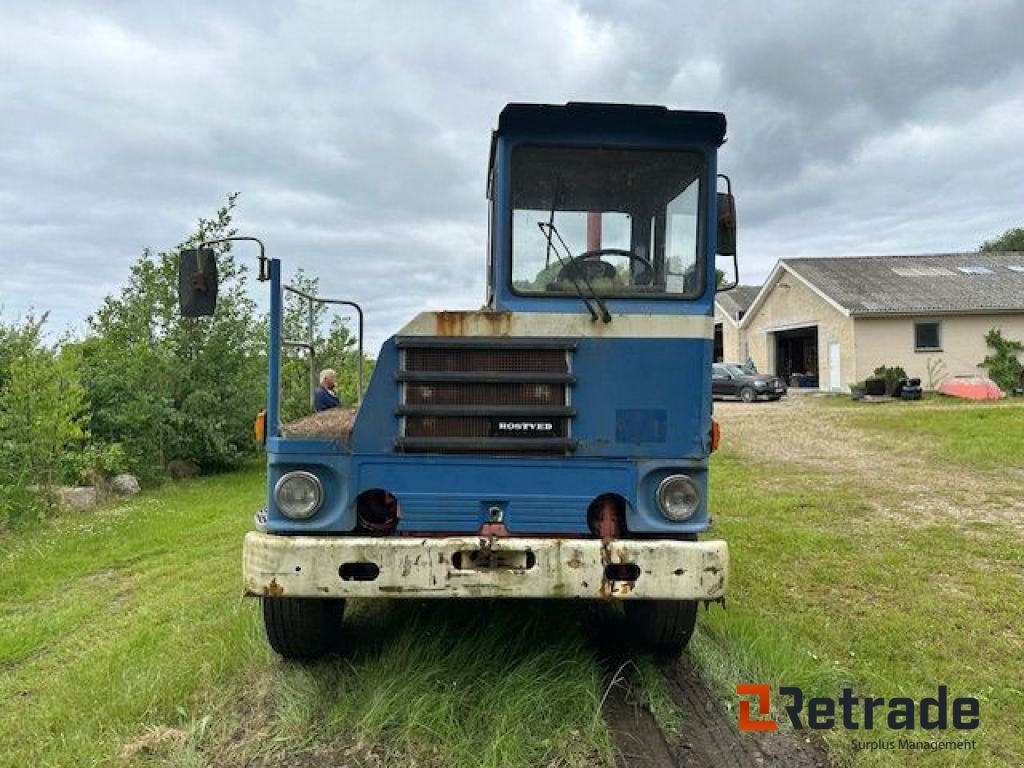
197 282
726 224
726 238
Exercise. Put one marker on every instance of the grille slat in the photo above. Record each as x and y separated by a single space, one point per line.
484 394
511 411
487 360
493 377
499 396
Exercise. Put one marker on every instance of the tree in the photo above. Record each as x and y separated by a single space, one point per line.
18 340
169 387
42 419
1010 240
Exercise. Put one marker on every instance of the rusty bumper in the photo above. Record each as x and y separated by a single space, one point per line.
469 566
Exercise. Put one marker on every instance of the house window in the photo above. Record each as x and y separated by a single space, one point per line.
926 337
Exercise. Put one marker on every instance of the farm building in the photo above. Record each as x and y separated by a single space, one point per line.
828 322
729 310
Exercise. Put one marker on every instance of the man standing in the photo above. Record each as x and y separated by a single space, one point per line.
325 395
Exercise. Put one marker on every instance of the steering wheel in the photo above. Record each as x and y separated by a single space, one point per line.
589 264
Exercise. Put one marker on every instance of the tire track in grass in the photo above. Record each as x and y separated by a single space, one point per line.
710 736
705 734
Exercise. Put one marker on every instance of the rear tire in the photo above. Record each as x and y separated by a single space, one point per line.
302 627
662 626
747 395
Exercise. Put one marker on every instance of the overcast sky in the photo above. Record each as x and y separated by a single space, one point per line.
357 133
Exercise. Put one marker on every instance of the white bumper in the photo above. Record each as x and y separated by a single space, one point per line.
470 566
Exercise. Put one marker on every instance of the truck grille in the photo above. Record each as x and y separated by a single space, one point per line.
485 395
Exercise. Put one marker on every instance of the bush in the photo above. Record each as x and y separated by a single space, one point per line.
1003 366
936 373
891 375
92 462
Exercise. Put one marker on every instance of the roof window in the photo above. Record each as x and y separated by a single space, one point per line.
921 271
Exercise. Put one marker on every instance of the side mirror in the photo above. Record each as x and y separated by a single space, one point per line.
726 224
726 239
197 282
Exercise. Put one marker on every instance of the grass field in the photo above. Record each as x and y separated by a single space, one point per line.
837 584
983 436
124 639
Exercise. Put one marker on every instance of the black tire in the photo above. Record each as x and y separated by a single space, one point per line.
748 395
302 627
662 626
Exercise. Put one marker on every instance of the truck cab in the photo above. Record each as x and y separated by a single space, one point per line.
553 444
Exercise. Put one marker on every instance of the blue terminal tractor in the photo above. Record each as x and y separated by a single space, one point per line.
555 443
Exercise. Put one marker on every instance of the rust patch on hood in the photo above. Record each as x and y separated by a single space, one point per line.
472 323
273 589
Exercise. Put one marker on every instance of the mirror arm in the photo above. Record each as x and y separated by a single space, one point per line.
736 280
264 275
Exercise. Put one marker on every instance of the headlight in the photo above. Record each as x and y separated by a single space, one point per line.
298 495
678 497
760 384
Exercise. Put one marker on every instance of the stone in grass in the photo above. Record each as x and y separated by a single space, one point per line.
181 469
77 498
124 484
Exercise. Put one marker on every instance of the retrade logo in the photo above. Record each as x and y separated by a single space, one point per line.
763 694
853 713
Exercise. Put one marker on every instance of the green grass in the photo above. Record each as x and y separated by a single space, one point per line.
967 435
825 595
124 639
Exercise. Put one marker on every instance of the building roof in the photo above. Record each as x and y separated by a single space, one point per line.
910 285
734 303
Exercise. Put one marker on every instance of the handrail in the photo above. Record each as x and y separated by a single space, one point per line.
312 362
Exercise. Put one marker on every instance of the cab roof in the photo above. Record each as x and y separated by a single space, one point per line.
607 120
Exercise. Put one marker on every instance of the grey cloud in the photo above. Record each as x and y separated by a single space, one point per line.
357 133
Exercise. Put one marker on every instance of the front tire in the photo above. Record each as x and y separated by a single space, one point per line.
662 626
747 395
302 627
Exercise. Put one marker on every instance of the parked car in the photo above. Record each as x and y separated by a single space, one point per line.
732 380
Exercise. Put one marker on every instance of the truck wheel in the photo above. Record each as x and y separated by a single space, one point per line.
302 627
662 626
747 395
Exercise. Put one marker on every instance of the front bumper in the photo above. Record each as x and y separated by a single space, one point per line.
471 566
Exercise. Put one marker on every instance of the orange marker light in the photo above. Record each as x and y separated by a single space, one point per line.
716 435
259 427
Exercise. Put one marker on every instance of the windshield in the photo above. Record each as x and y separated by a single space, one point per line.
626 221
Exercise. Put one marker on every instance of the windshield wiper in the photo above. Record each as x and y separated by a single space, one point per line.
548 229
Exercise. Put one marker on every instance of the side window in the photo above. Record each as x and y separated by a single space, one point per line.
681 239
717 372
927 337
